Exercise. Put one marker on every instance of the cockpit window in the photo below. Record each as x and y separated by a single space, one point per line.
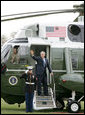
19 55
23 54
16 56
5 53
19 40
76 33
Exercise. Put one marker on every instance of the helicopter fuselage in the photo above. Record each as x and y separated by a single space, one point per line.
12 88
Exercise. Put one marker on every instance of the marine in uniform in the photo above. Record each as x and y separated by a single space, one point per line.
29 89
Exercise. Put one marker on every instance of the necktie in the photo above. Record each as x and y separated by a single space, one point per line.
44 62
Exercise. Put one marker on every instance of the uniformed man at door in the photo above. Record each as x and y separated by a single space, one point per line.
42 64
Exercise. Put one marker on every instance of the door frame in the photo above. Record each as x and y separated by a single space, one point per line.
48 57
48 48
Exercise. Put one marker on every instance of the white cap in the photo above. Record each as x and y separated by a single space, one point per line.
29 68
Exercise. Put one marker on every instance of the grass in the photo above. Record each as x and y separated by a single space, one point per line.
14 109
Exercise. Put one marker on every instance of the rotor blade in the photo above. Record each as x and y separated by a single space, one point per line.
42 14
35 12
26 13
31 13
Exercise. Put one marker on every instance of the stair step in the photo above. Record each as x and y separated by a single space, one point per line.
49 94
41 102
42 93
44 104
43 97
44 100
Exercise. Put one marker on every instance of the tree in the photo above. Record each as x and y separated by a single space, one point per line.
3 39
13 34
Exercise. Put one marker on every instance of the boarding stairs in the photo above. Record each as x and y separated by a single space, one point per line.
45 102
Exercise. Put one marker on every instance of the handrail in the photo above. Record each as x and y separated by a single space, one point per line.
53 83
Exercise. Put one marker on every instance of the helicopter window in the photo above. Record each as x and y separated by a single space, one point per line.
19 55
23 54
58 59
5 53
76 33
19 40
77 59
22 39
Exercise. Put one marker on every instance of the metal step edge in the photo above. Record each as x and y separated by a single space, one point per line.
41 108
44 100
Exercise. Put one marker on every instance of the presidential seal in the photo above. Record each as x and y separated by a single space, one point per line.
13 80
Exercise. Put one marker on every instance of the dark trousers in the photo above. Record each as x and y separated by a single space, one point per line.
29 101
42 79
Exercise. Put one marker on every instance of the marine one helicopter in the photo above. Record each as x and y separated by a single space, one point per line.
64 47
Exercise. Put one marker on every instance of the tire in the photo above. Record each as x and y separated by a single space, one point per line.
73 107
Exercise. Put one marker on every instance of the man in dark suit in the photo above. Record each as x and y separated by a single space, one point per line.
42 64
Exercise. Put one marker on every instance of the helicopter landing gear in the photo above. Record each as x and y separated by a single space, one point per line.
72 105
18 105
73 95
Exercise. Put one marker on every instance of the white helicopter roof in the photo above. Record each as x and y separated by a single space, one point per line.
38 41
30 30
41 39
52 24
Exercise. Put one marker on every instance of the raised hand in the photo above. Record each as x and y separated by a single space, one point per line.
31 52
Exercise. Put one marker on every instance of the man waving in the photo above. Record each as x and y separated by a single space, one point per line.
42 64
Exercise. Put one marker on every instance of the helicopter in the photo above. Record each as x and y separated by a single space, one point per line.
64 47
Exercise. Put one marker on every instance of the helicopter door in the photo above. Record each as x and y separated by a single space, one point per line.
48 57
37 49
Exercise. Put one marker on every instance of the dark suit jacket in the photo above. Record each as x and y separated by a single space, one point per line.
40 69
29 88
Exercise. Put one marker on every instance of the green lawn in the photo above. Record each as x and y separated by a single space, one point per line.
14 109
